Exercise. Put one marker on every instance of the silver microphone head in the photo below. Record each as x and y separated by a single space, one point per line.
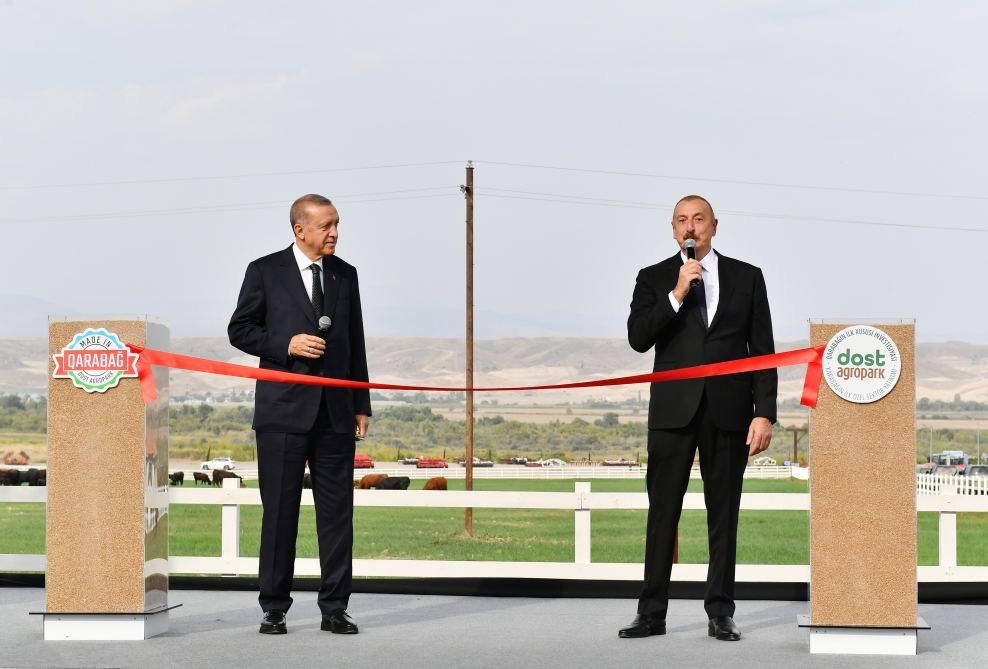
690 245
324 323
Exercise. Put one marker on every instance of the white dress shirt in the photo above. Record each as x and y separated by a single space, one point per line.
304 265
711 285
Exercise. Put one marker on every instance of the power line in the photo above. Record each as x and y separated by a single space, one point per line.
355 198
601 202
624 173
768 184
217 177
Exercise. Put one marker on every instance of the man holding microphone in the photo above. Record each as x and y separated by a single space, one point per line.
694 308
299 311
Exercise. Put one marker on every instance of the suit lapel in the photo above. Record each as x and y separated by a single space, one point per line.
296 286
331 280
727 278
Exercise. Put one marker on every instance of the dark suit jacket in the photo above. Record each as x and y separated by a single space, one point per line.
274 306
742 327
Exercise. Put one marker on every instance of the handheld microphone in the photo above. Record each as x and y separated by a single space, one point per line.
691 255
324 323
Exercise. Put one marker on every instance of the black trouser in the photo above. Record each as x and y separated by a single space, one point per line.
723 458
281 463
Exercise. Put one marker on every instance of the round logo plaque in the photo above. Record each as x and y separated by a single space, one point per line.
861 364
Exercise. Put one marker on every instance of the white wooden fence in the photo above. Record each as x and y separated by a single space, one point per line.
455 471
942 484
581 502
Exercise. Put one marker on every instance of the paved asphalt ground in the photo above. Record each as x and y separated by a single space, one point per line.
219 629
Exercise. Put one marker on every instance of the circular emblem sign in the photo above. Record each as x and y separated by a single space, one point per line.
96 360
861 364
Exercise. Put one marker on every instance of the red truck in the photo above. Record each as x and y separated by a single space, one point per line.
432 463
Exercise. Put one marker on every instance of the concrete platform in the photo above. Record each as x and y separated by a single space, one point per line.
219 629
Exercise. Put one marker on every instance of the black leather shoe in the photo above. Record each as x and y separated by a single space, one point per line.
724 629
338 622
643 625
273 622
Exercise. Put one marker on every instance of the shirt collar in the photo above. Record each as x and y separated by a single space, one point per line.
708 263
302 260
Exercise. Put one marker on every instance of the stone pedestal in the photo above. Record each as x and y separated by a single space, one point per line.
107 516
863 592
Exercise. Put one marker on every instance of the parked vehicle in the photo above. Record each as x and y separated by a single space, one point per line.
226 464
477 462
432 463
362 461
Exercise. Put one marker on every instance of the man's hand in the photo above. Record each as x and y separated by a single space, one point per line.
362 421
306 346
689 272
759 435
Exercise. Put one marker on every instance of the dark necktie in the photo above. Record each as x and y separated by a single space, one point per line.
316 294
700 295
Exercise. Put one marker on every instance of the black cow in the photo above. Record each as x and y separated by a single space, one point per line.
177 478
200 477
394 483
17 476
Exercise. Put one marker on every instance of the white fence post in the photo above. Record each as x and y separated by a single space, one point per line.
948 540
581 540
230 523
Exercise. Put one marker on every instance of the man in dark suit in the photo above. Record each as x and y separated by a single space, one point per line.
299 311
696 311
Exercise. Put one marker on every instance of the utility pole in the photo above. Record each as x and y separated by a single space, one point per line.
468 193
797 434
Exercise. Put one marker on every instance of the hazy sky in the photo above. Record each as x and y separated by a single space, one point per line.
151 150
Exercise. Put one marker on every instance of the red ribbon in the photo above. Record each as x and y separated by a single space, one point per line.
812 357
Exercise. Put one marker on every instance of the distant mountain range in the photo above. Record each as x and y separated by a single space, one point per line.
943 369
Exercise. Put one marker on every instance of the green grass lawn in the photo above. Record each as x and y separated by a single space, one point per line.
765 537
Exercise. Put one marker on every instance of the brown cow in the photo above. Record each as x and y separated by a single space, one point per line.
201 477
435 483
371 481
220 474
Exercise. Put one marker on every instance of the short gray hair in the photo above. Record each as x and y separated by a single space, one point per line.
297 212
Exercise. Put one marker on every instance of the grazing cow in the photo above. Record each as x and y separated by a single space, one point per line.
394 483
435 483
201 477
371 481
17 477
177 478
220 474
307 481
